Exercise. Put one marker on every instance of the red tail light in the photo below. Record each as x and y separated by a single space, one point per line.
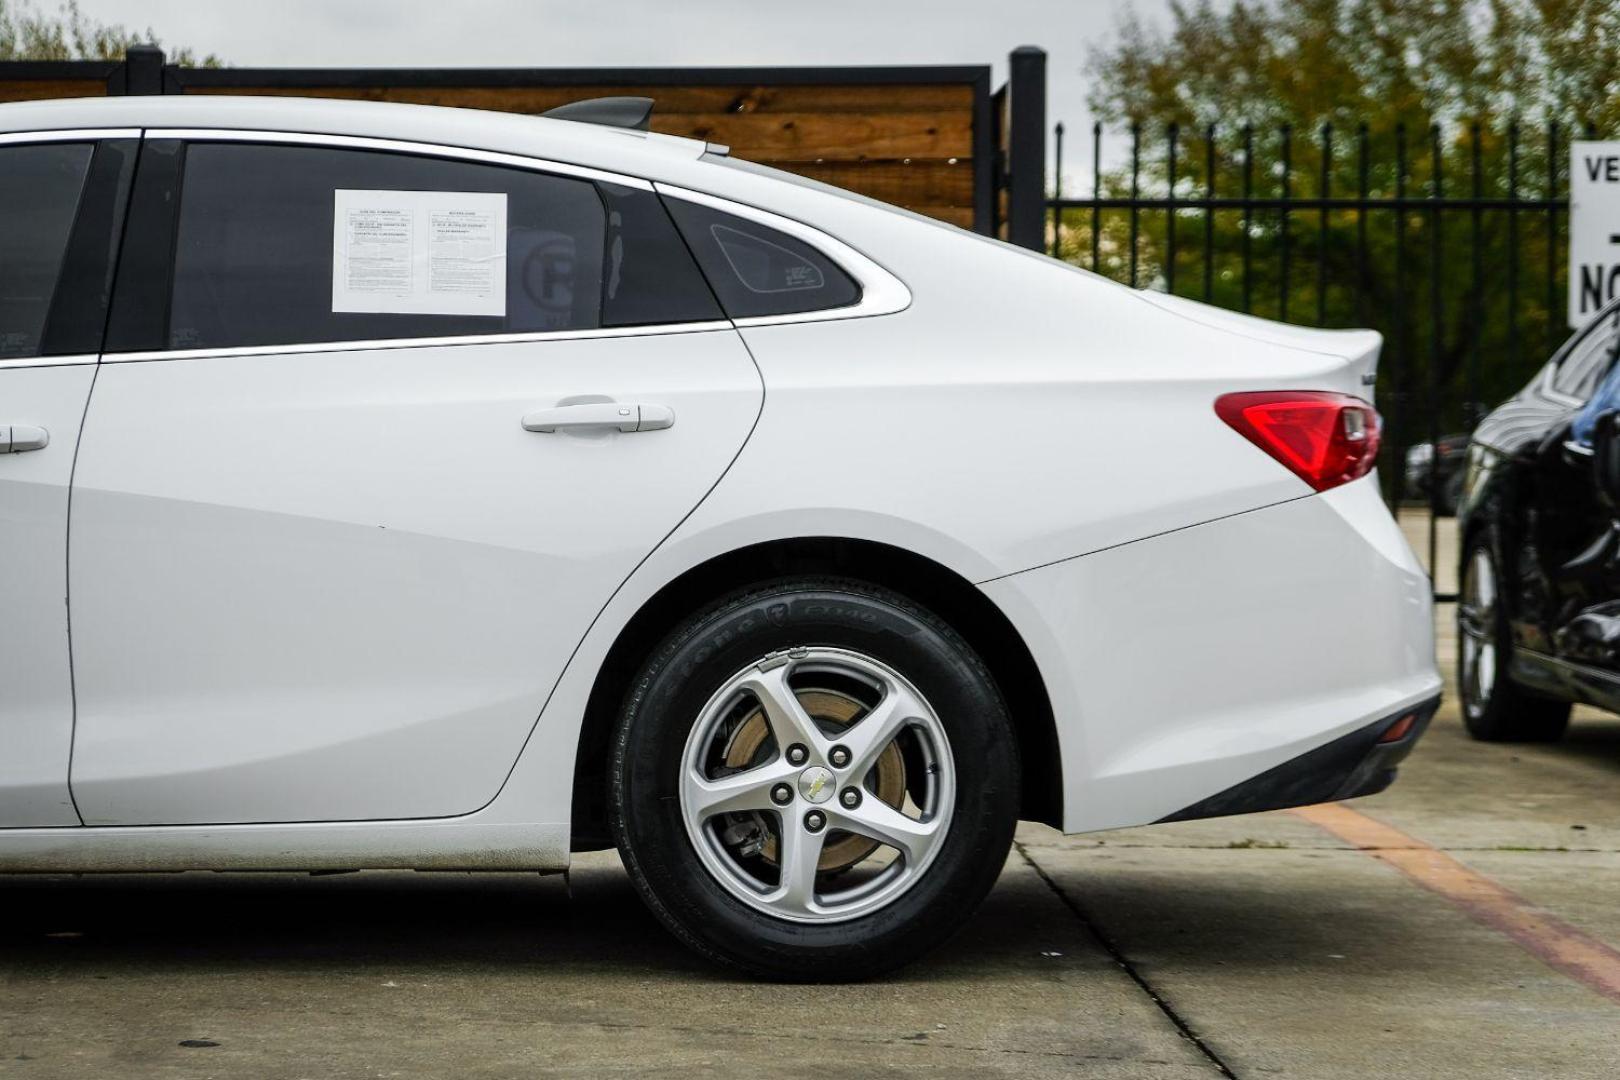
1325 439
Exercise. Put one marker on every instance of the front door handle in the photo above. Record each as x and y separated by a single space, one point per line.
615 415
15 439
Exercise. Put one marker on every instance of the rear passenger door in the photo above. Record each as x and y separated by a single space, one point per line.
61 200
362 465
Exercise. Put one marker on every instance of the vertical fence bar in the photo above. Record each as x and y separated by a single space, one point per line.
1361 225
1325 191
1513 246
1248 212
1437 330
1136 215
1209 213
1096 195
1170 215
1399 376
1287 194
1057 195
1474 412
1554 323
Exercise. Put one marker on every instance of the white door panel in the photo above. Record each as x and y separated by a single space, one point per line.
36 684
339 586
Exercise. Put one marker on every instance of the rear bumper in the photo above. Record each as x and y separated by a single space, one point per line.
1182 666
1361 763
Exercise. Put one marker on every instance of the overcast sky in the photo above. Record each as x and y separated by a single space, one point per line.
629 33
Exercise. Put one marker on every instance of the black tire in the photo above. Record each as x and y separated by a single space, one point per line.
694 661
1496 709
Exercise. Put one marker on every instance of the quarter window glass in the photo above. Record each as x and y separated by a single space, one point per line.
756 270
254 248
1584 366
39 194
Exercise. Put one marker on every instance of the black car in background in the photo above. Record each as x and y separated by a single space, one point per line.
1539 612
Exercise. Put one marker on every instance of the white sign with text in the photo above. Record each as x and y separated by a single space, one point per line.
1594 228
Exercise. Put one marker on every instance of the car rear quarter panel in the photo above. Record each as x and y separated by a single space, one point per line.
1030 412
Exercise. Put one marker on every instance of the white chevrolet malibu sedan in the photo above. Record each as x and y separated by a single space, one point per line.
398 487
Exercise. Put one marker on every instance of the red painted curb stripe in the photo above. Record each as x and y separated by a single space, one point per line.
1556 943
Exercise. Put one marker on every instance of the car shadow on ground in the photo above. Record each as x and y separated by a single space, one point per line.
1592 739
101 926
353 920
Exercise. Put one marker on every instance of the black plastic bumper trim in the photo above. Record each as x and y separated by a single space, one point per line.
1348 767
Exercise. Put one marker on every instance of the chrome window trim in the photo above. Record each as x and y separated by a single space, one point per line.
68 135
398 146
881 292
377 344
74 360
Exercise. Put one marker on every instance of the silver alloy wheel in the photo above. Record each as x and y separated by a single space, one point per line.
1476 622
720 805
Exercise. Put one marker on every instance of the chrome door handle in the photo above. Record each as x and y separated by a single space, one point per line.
621 416
20 437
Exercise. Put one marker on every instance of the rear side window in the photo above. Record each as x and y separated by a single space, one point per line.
757 270
281 245
39 195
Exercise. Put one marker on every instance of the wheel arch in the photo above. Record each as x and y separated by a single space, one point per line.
946 593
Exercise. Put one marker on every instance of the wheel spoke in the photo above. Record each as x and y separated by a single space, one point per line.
789 722
803 795
800 853
869 735
877 820
749 790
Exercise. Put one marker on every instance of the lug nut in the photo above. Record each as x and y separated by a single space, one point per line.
851 798
839 756
815 821
781 794
797 755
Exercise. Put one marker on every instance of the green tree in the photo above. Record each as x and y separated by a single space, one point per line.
26 33
1346 89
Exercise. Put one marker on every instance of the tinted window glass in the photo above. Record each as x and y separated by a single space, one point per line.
649 276
756 270
260 233
39 192
1584 366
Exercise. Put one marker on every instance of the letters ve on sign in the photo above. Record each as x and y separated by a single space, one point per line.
1594 228
419 252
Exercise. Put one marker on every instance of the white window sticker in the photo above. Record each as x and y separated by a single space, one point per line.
419 252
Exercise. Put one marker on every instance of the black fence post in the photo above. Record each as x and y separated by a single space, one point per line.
144 70
1437 330
1057 194
1209 213
1248 211
1096 195
1170 214
1026 149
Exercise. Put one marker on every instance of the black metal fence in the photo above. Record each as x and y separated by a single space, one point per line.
1449 240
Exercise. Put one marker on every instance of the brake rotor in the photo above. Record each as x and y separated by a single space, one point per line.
836 711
